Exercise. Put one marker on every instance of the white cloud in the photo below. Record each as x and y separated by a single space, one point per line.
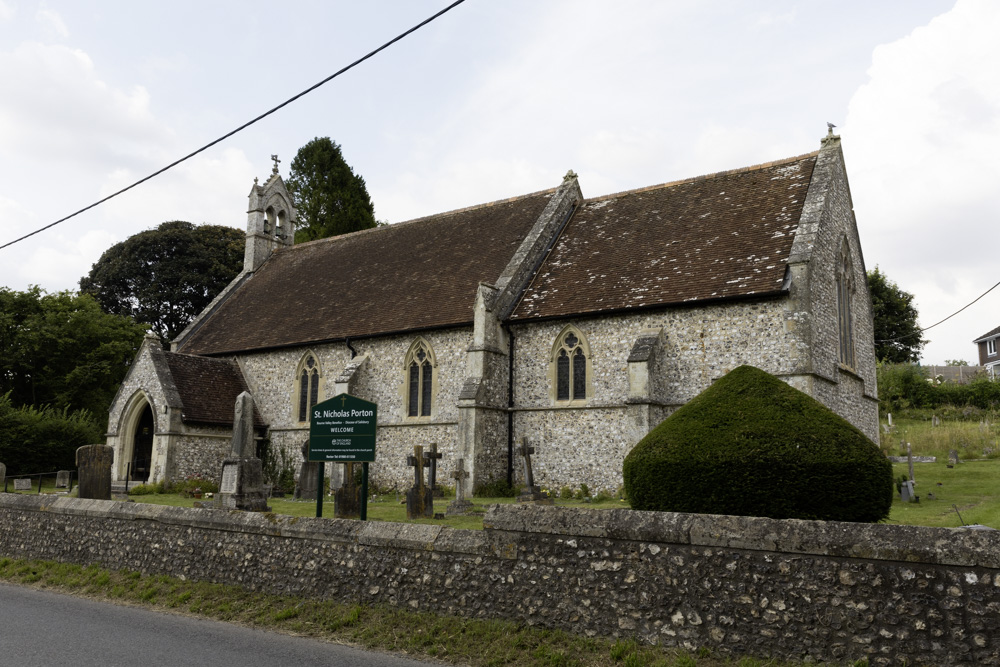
7 11
921 138
52 22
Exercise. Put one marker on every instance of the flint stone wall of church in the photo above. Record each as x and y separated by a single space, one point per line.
142 377
820 591
382 380
587 446
201 454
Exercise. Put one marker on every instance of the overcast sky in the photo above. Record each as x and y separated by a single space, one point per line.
500 98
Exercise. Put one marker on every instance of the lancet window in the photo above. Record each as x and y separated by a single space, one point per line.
569 364
308 386
845 315
419 380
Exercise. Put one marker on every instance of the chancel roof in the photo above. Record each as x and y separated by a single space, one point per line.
723 236
208 388
408 276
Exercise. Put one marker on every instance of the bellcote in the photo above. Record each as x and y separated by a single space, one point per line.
271 219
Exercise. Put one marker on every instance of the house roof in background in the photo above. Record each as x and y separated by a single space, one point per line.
993 333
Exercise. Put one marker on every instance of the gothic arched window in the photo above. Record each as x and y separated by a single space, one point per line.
845 315
569 366
308 386
419 379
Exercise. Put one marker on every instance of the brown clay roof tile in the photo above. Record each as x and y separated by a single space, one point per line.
208 388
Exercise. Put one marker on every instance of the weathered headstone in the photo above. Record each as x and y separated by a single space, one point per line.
93 469
242 484
432 457
953 457
419 499
347 498
3 477
308 483
22 484
63 478
909 459
530 493
935 420
906 492
461 504
889 415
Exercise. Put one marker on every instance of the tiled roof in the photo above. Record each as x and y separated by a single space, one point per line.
989 334
413 275
722 236
208 388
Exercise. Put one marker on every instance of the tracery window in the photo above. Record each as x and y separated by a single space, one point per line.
308 386
845 316
419 379
570 358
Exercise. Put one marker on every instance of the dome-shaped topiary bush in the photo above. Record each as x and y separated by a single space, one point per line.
751 445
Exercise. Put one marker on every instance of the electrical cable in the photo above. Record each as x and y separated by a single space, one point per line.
243 126
920 331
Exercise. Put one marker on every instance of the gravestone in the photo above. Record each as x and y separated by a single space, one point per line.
242 486
890 419
935 420
419 499
93 469
3 477
461 504
347 498
906 492
63 478
432 457
909 459
953 457
22 484
308 484
530 493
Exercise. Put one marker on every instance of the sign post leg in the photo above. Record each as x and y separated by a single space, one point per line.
364 491
319 490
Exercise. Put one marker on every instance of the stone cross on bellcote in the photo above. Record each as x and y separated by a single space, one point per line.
274 170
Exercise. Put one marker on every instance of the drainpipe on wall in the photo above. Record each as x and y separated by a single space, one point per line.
510 405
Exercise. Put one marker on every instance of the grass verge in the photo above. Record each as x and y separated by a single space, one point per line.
419 635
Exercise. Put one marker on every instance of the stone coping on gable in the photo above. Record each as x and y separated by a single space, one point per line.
881 542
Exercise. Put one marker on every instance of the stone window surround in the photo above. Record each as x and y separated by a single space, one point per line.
419 343
553 374
297 386
845 316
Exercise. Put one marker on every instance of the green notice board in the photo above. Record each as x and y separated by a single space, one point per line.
342 430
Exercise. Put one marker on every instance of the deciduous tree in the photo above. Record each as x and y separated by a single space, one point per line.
330 198
897 334
167 275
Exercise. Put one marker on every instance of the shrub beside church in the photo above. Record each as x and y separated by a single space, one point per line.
751 445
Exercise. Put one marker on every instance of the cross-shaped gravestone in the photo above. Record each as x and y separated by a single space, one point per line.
432 457
525 451
274 170
419 499
461 504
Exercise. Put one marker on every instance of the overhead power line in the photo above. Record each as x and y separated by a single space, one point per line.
920 331
243 126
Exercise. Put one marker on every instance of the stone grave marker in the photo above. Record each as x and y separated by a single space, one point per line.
23 484
461 504
935 420
419 499
530 493
953 457
889 415
3 477
909 459
93 466
347 498
432 457
906 492
307 486
63 478
242 486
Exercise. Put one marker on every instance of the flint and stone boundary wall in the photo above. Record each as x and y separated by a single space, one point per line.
824 591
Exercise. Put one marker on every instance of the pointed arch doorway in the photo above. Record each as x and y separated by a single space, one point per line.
142 447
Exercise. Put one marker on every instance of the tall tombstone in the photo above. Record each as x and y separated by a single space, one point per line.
461 504
419 499
347 498
432 457
3 477
308 485
93 464
530 493
242 486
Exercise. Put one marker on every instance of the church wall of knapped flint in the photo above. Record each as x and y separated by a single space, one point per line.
382 380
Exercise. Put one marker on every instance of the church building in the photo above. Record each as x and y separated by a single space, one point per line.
575 323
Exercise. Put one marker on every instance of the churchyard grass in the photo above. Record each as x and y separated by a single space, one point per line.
447 639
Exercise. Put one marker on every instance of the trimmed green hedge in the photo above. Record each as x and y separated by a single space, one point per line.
751 445
43 439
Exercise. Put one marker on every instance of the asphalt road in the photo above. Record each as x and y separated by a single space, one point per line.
41 629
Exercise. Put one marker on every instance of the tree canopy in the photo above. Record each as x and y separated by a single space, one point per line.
897 334
61 350
329 197
167 275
